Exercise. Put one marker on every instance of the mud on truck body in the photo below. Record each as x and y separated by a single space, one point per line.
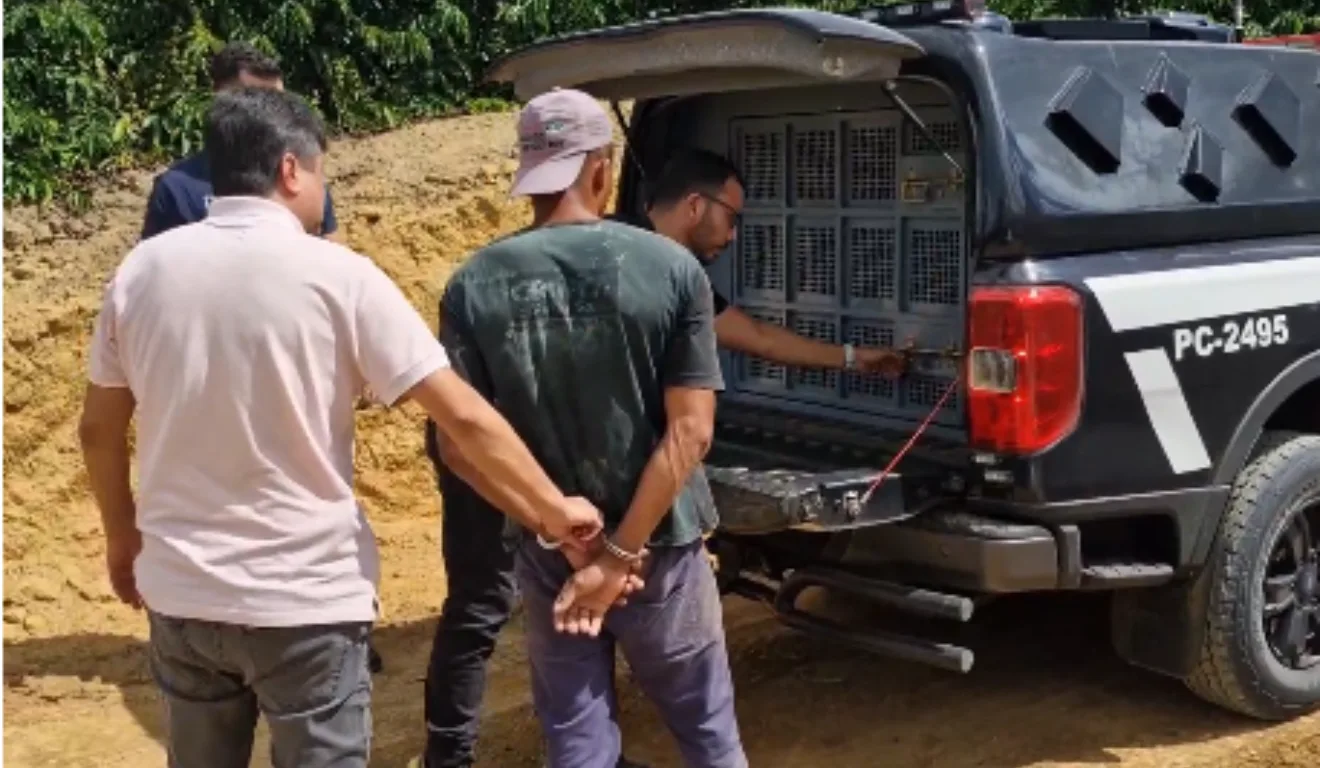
1100 242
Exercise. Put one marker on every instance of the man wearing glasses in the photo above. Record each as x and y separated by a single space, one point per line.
697 202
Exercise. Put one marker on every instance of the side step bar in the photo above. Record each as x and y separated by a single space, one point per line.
919 602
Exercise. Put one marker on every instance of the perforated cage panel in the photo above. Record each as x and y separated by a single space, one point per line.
944 131
761 160
816 260
854 231
755 371
761 267
822 328
873 158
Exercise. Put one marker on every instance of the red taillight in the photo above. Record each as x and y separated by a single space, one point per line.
1024 371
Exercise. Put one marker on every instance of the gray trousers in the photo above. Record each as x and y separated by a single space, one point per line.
312 684
671 633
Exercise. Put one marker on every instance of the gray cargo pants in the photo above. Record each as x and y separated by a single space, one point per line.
671 633
312 684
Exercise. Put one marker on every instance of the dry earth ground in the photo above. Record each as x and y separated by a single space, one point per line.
1046 691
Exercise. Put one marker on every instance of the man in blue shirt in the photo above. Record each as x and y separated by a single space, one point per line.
182 194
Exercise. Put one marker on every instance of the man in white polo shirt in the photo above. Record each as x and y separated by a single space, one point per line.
239 343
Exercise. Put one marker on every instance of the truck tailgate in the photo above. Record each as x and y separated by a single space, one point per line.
772 472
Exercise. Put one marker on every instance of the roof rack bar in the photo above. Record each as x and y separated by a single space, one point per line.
922 12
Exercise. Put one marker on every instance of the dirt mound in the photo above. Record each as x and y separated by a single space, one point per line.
415 208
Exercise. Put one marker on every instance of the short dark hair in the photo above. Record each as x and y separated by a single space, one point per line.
238 57
248 132
691 170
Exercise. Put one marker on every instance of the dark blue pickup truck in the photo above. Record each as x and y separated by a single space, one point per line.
1100 242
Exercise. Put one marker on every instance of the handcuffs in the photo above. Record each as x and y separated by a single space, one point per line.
631 558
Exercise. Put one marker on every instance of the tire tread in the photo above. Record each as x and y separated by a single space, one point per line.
1214 678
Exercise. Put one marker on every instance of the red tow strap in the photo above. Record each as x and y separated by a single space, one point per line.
911 440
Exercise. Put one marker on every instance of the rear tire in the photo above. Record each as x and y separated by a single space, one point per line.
1249 662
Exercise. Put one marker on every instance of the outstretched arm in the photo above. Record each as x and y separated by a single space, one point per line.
741 332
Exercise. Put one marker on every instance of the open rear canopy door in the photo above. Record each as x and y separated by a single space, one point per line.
724 51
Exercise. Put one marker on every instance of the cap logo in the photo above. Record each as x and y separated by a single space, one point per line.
546 138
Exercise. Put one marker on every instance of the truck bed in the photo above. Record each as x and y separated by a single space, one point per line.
771 471
854 230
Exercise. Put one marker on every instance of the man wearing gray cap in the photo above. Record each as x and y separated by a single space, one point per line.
596 341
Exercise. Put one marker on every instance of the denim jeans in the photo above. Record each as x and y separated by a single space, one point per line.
672 634
478 561
311 683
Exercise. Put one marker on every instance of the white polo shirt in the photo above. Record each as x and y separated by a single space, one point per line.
245 342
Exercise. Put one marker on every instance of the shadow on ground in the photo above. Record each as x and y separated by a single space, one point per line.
1046 688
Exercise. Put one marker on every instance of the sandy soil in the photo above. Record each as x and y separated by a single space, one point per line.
1046 691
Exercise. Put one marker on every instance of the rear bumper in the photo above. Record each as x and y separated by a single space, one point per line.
960 550
917 532
918 542
944 548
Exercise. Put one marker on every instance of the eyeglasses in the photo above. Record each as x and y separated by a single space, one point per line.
734 214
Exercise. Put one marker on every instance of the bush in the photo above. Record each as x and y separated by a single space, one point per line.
94 85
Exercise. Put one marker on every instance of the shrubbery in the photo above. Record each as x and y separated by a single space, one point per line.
93 85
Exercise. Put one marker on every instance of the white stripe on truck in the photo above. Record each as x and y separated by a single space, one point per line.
1187 295
1167 408
1151 299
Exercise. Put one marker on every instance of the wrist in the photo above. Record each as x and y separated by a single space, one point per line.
609 561
849 357
627 538
626 556
552 514
121 531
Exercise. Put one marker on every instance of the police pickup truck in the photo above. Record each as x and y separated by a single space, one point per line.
1099 242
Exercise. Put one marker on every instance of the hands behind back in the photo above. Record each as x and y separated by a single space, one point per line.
575 524
600 581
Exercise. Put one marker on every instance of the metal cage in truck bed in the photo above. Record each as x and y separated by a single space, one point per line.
853 230
843 239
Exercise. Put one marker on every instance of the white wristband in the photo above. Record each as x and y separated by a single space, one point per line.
547 544
849 357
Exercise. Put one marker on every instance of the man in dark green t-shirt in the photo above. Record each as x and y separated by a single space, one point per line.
596 341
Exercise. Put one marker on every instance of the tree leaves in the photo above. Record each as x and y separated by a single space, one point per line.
98 84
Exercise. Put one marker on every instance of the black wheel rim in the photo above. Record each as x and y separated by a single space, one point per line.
1290 614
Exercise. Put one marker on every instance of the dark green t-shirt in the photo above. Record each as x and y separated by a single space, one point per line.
573 332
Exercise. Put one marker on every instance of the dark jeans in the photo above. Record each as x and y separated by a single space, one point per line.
672 633
479 571
311 683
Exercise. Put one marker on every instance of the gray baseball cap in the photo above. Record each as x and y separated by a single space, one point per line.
556 130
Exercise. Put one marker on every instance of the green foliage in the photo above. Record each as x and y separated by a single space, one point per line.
94 85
